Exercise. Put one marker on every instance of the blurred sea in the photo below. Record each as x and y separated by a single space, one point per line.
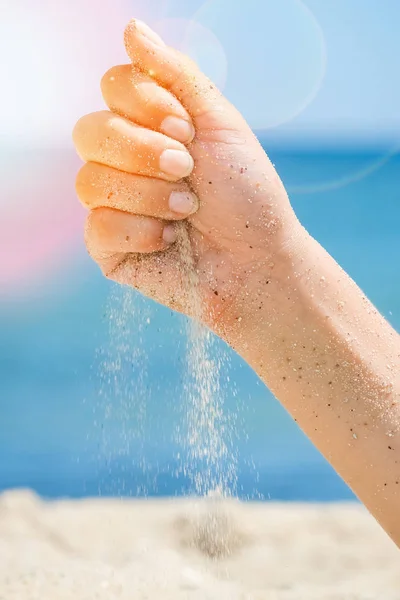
66 431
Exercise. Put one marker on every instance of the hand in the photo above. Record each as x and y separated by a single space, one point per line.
172 148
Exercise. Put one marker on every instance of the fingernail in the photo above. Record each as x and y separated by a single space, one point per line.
170 234
148 33
176 163
178 129
183 203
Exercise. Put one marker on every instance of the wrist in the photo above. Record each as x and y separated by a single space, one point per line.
262 286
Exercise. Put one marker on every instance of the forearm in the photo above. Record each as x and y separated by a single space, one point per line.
334 363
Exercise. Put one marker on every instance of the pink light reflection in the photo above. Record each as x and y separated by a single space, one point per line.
42 219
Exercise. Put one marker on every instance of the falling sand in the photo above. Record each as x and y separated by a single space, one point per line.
205 432
208 432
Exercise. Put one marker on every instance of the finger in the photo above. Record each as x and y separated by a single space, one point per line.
158 275
140 99
111 140
176 72
111 232
101 186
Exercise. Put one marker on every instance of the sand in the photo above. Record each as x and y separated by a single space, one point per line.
182 549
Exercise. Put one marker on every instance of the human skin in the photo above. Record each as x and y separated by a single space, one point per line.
266 287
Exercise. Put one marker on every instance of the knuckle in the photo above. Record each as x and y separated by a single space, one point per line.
113 76
108 262
85 128
81 127
89 243
95 220
94 235
95 230
83 183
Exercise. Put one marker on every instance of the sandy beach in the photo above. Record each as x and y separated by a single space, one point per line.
98 549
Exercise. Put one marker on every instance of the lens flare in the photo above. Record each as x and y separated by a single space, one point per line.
200 43
275 53
346 173
41 218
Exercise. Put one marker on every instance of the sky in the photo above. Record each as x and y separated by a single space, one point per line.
324 69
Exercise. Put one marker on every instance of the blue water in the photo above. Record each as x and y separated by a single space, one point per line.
55 435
